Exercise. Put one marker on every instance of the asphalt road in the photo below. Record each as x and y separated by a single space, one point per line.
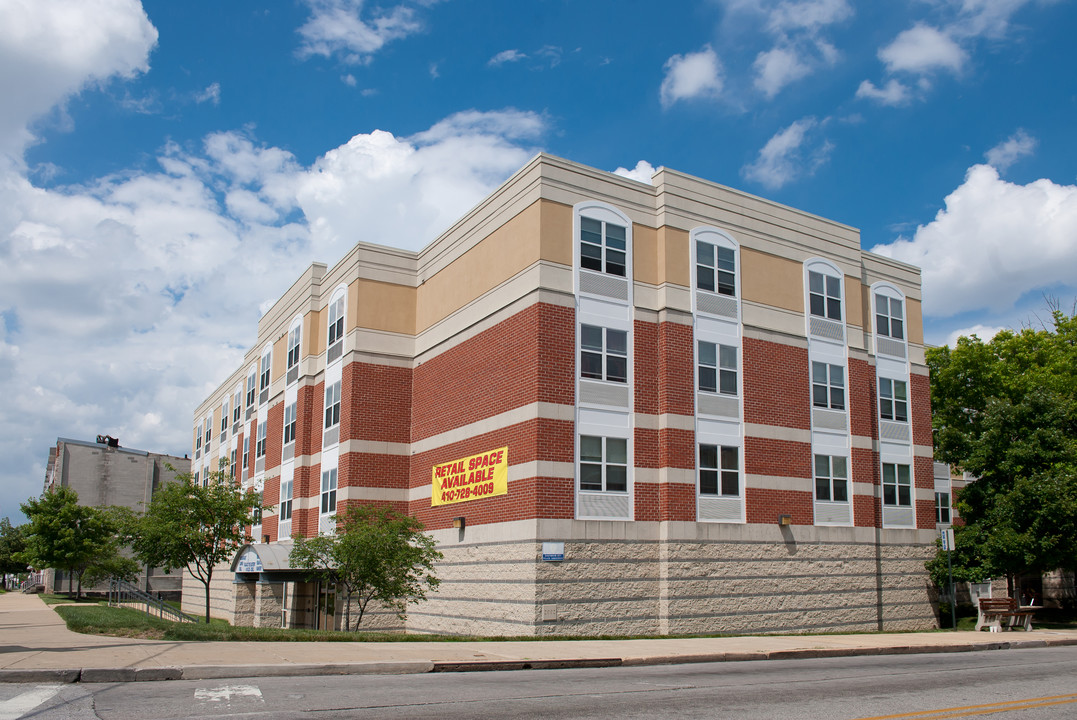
1027 684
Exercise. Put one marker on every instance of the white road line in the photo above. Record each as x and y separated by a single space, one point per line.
23 703
226 693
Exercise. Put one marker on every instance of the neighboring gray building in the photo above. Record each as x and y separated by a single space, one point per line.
103 473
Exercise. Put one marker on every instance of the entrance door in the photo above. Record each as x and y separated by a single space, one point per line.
327 607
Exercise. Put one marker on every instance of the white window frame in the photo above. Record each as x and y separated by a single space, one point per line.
237 404
260 446
265 376
829 385
897 485
328 497
885 318
604 464
607 245
208 428
332 405
232 464
940 506
286 491
888 391
831 278
721 367
720 469
252 385
224 415
605 353
290 422
295 338
831 478
715 267
336 321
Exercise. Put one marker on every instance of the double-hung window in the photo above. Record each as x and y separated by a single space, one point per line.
719 470
717 368
198 437
289 423
716 268
602 246
893 400
329 491
824 295
889 317
263 381
831 478
286 500
336 320
237 405
942 508
232 465
208 425
827 386
224 416
897 485
246 453
603 353
293 345
332 405
260 448
252 388
603 464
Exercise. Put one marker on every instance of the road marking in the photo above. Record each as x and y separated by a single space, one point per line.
968 710
227 692
23 703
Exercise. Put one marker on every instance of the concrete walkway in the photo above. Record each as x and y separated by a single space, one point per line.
36 646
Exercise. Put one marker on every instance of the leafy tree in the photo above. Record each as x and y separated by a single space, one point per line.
65 535
1006 412
194 526
12 542
111 565
376 554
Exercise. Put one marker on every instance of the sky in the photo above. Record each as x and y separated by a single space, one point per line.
168 169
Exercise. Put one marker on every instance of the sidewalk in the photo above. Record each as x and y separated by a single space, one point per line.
36 646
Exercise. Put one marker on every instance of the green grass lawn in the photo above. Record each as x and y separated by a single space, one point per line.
64 598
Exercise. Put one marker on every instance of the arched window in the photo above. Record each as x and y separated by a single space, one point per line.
715 260
824 290
295 335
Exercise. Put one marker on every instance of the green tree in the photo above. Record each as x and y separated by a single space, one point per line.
12 542
194 526
376 554
1006 412
65 535
111 564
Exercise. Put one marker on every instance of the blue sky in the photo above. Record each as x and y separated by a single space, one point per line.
168 169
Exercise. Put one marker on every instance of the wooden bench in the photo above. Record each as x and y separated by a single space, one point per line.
999 614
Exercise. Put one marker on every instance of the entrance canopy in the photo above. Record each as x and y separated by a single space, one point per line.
266 563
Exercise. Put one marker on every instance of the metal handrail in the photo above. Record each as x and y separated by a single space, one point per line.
121 592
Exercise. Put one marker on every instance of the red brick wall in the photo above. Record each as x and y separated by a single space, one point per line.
863 405
645 448
647 501
274 436
865 468
645 364
676 388
677 448
776 384
375 403
779 458
764 506
924 477
677 501
920 399
310 419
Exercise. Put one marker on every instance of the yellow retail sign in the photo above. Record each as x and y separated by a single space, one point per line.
471 478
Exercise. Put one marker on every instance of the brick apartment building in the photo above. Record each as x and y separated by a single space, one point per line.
680 408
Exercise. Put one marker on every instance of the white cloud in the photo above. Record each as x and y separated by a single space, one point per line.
777 68
984 332
1006 153
211 94
893 93
50 51
807 15
790 154
506 56
692 75
338 28
923 49
642 172
993 242
989 18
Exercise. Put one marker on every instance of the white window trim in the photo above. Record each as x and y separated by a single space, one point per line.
891 292
329 487
720 469
604 212
294 343
718 346
825 268
718 238
340 293
265 368
336 402
604 464
893 399
605 354
897 485
830 386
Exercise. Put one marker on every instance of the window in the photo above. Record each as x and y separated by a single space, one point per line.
260 449
196 476
236 405
827 386
336 319
719 470
208 425
897 485
603 464
286 500
602 246
893 400
716 268
717 368
332 405
824 295
246 454
329 491
232 465
198 437
603 353
289 423
293 345
256 513
942 508
831 478
263 381
224 416
889 317
251 390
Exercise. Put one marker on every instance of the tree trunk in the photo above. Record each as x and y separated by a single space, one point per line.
209 576
347 609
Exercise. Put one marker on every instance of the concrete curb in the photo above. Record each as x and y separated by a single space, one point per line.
405 667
